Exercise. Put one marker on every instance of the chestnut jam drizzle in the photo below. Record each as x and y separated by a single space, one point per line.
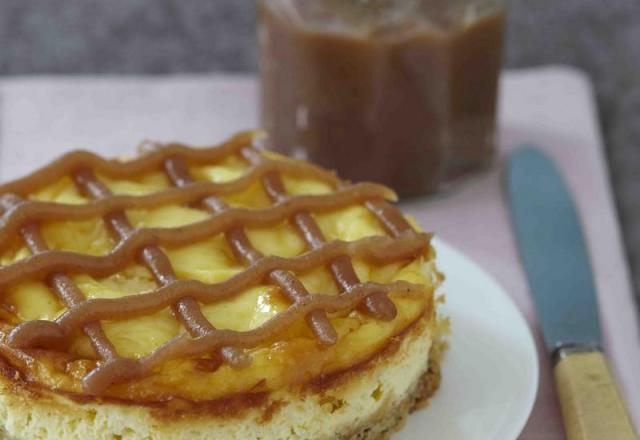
22 216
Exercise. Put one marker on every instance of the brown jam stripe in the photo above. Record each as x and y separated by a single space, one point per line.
377 305
186 309
378 248
119 370
180 175
16 357
126 250
195 192
64 288
389 216
35 210
67 164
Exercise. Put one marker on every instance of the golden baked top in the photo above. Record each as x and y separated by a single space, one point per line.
201 273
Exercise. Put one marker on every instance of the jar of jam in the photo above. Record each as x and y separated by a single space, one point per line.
401 92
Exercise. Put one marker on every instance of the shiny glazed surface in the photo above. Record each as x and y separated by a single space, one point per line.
202 340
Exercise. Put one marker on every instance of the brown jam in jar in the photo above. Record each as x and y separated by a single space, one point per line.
401 92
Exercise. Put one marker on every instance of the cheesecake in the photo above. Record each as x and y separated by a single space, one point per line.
219 292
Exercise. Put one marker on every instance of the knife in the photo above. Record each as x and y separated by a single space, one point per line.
555 258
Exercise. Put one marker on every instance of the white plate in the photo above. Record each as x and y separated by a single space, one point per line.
490 372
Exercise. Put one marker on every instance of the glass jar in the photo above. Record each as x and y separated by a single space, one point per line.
401 92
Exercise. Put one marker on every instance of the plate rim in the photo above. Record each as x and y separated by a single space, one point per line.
518 424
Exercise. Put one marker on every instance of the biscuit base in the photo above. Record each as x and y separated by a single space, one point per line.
381 428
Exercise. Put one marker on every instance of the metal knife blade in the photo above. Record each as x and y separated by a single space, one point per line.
553 250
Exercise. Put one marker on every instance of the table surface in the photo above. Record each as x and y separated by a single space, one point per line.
551 107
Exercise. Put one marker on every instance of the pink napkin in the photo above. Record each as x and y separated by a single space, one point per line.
550 107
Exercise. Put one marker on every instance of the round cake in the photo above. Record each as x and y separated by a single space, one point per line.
222 292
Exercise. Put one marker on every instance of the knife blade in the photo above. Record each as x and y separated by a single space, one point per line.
553 251
556 261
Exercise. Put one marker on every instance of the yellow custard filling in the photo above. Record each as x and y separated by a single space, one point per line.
292 358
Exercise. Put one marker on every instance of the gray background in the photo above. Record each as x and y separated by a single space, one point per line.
167 36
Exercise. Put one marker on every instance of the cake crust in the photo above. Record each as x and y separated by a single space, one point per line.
382 427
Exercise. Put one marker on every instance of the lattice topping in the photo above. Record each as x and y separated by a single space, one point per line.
184 296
